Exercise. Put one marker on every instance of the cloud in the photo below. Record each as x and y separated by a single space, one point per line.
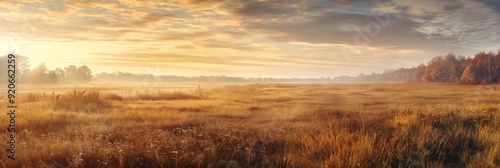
320 21
260 8
493 4
261 33
226 44
350 29
243 60
186 47
463 24
179 59
9 5
150 19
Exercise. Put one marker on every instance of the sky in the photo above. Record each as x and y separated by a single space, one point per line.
247 38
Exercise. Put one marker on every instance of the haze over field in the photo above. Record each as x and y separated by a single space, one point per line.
275 38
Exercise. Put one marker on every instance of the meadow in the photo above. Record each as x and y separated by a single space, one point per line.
257 125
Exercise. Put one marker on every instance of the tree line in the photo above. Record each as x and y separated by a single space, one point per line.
483 68
42 75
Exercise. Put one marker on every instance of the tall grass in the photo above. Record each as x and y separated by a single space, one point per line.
80 100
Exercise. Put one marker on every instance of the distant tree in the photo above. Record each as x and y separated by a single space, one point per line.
23 64
495 68
39 74
418 72
469 74
52 77
84 74
41 69
70 73
74 74
60 74
483 64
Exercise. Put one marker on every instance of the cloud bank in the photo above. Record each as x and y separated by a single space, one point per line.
273 37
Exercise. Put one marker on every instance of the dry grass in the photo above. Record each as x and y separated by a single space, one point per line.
314 125
113 96
80 100
32 97
161 95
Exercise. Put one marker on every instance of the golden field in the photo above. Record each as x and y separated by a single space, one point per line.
257 125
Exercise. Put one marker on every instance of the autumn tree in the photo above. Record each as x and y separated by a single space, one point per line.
483 67
418 73
495 68
469 76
